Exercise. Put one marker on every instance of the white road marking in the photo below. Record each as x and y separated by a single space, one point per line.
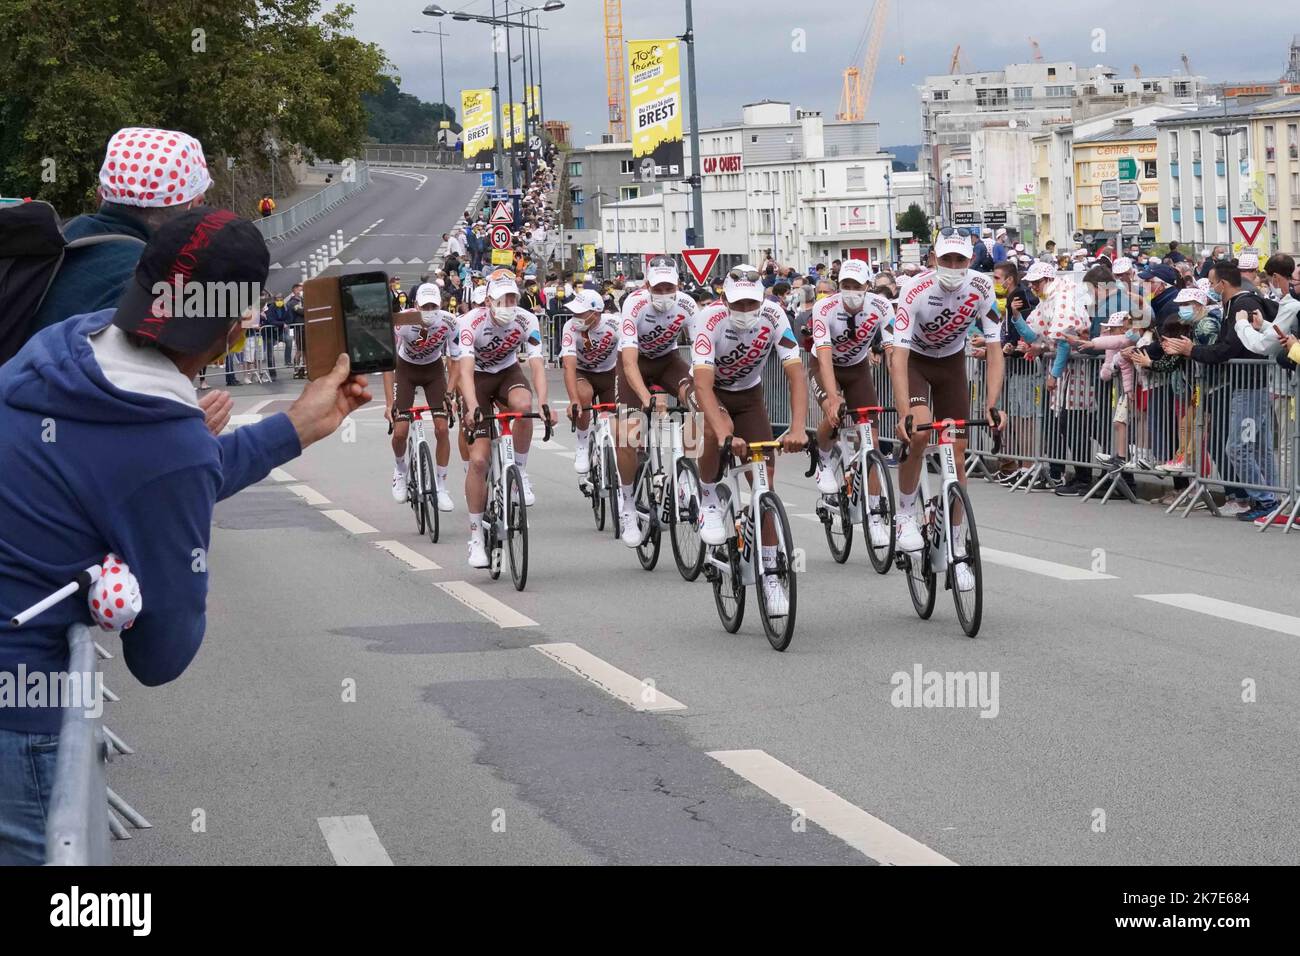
485 604
348 521
1021 562
309 495
279 474
353 841
811 516
636 694
859 829
259 406
1238 613
412 557
551 445
239 421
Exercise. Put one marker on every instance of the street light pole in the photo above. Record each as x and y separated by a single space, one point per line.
541 86
697 199
496 96
889 215
510 112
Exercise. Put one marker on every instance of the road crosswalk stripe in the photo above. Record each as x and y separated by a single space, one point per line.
1228 611
279 474
353 841
475 599
859 829
412 557
309 494
637 694
348 521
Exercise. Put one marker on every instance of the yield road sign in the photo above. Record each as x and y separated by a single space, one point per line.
500 237
700 262
501 213
1248 226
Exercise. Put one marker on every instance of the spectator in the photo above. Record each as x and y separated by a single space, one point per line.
293 347
1000 249
1162 288
396 294
1248 263
267 206
1173 256
1049 251
1203 271
133 453
275 321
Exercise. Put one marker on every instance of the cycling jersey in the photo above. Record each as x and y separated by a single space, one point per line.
594 348
496 347
738 356
830 327
422 344
933 322
653 333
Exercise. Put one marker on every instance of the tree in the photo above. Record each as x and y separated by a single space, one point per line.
914 221
396 117
237 74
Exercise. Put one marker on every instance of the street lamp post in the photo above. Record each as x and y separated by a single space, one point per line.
697 200
442 72
889 216
1225 133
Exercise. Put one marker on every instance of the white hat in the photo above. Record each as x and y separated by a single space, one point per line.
954 242
1040 270
427 294
1192 294
1115 320
1122 265
153 167
1248 260
738 289
479 295
501 283
857 270
585 300
1001 231
660 270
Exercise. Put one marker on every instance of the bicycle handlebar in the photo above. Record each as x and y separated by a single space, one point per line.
946 423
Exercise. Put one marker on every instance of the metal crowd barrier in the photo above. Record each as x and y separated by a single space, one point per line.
299 214
420 156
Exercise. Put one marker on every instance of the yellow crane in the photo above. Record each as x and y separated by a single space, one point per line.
1038 53
615 86
855 96
954 66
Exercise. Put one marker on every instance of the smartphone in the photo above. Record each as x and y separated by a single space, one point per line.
368 322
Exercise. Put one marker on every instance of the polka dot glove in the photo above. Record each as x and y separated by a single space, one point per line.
115 598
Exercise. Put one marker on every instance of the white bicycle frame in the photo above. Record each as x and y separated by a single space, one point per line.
414 439
751 556
939 560
658 465
499 462
864 435
602 438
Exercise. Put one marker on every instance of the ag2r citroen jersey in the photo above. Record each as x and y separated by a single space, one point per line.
830 327
738 355
651 332
496 347
933 322
594 348
424 344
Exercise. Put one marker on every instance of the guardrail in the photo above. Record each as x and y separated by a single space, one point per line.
299 214
76 833
420 156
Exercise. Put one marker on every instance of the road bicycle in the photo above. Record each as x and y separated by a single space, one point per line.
505 520
738 563
667 495
855 445
421 476
601 482
943 550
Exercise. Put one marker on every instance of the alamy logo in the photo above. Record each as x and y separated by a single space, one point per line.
72 909
954 689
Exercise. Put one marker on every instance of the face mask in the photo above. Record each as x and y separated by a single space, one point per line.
1186 313
662 303
950 279
744 321
853 301
1131 335
1215 296
503 314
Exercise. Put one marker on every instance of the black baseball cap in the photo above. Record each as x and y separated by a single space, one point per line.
1166 274
211 264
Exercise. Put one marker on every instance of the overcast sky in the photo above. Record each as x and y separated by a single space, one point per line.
744 49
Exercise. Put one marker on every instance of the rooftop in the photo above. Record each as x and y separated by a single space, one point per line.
1119 134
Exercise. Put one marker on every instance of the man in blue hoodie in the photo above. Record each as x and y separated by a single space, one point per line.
105 451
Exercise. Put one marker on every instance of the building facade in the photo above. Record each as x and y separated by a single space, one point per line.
1097 157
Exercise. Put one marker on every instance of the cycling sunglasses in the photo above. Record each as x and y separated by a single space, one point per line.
743 275
663 262
956 231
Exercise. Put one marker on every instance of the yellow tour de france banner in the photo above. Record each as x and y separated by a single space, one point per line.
478 135
588 256
512 133
533 101
656 106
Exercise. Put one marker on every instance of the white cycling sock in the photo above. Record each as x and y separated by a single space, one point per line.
476 526
824 456
769 556
521 459
907 502
400 463
709 494
442 475
584 436
625 502
873 502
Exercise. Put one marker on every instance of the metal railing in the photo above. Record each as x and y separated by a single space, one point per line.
283 223
269 350
384 154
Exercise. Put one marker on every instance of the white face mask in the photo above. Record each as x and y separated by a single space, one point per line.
744 321
949 279
503 314
853 301
662 303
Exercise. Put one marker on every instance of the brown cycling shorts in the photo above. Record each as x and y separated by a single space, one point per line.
668 372
855 382
940 383
493 389
748 413
604 385
408 377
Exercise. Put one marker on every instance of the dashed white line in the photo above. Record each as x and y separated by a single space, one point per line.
859 829
353 841
279 474
348 521
1021 562
637 694
1228 611
473 598
412 557
309 495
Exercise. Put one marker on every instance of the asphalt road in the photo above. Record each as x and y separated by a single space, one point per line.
1120 737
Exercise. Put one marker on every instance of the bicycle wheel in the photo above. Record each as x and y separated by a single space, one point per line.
966 544
413 496
646 503
595 485
516 528
921 577
610 468
688 549
882 557
779 627
728 592
836 519
429 484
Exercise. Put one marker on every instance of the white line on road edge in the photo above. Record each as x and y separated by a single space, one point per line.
1021 562
551 445
259 406
353 841
412 557
349 522
499 614
859 829
309 495
638 695
279 474
239 421
1239 613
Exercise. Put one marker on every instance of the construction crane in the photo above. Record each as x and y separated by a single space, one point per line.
1038 53
1137 71
615 87
855 96
955 65
1187 64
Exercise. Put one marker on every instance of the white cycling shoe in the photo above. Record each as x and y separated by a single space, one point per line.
444 501
477 553
877 531
630 530
825 478
907 532
774 598
399 485
712 529
962 572
582 460
526 483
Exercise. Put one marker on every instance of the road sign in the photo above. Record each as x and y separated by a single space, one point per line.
1110 222
500 237
1110 189
1128 168
1248 226
488 179
965 218
501 213
1130 213
1110 204
700 262
502 257
995 217
1130 192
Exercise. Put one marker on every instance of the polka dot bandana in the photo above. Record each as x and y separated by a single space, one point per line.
153 167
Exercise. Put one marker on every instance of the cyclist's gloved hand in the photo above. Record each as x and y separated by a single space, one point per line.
114 599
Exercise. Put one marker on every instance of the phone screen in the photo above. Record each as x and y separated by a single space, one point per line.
368 322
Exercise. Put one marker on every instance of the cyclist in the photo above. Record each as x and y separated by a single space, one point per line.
730 344
420 349
844 327
490 337
928 367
